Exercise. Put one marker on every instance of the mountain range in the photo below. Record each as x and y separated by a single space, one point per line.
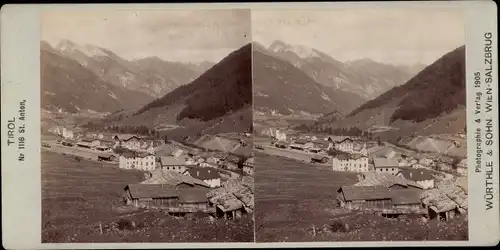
220 100
309 80
432 102
89 70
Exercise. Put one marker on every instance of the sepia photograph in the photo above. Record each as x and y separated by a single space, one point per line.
146 126
360 124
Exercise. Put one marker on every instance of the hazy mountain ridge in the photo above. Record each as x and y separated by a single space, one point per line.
360 80
151 75
280 87
431 102
68 86
217 100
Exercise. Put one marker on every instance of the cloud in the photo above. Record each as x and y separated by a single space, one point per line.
176 35
399 36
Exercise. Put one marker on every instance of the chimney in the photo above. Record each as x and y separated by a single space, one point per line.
411 174
197 173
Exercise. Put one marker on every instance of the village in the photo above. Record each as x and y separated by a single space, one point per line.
380 178
207 177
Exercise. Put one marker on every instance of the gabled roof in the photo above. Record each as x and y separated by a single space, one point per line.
416 174
234 194
301 142
380 162
140 191
105 155
386 180
163 176
133 154
353 193
203 173
125 137
172 161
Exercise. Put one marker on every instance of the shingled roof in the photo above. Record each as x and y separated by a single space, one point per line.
172 161
234 194
416 174
386 180
380 162
353 193
203 173
140 191
163 176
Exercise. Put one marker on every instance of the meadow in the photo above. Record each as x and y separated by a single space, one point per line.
296 202
81 202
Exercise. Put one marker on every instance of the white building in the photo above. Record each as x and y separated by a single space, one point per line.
145 162
208 175
423 177
280 136
350 163
384 165
131 142
67 134
172 163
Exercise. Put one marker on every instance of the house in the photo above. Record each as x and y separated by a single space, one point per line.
385 165
234 199
248 166
141 161
359 148
67 134
210 176
83 144
168 198
319 159
345 145
106 157
407 199
301 145
132 142
315 150
445 201
172 163
351 163
423 177
280 136
151 195
462 167
364 197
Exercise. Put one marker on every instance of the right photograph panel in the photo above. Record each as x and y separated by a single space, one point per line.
359 125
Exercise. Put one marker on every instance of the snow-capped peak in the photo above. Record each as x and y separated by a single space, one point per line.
88 50
300 50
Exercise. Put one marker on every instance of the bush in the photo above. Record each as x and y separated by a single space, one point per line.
78 158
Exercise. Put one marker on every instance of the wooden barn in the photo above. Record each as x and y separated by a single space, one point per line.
364 197
106 157
151 195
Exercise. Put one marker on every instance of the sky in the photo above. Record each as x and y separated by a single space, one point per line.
393 36
172 35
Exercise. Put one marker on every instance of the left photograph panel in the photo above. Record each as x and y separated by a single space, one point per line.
146 126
